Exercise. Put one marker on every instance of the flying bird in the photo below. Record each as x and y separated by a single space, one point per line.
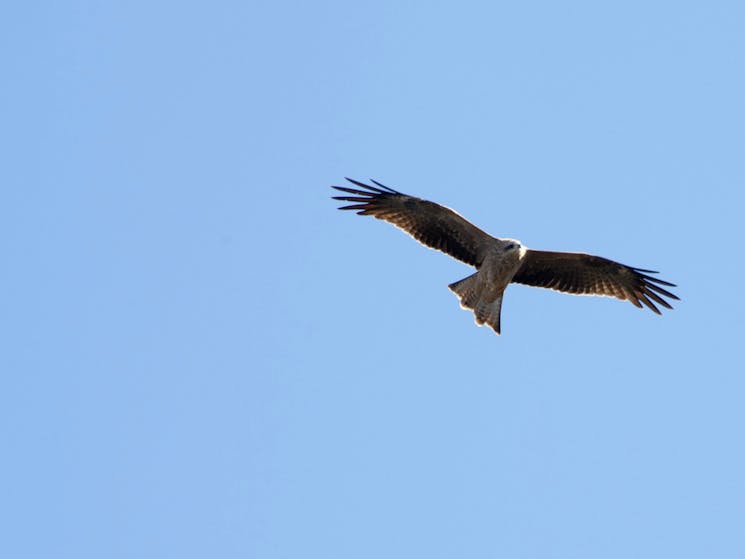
499 262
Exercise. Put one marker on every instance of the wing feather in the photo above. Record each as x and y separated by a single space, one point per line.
431 224
584 274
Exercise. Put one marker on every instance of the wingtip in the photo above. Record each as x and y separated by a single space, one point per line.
388 188
378 188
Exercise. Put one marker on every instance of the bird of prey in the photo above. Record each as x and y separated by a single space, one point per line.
500 262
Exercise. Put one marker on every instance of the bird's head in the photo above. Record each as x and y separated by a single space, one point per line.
514 246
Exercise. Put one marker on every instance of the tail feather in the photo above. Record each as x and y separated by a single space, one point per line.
468 291
473 296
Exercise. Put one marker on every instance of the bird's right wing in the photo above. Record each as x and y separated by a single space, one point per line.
433 225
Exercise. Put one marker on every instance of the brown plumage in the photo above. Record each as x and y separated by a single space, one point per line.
503 261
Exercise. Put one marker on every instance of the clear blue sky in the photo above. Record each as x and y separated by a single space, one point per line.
202 357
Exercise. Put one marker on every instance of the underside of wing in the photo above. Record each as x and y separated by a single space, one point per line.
584 274
433 225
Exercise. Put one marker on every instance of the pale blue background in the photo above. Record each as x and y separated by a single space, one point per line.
203 358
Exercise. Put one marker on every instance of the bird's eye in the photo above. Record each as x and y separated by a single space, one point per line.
509 246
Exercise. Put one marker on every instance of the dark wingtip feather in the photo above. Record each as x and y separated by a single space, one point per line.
659 300
636 303
353 191
367 186
379 189
661 291
655 281
643 298
385 187
652 289
351 199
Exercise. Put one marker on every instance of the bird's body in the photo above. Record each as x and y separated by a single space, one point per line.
500 262
482 292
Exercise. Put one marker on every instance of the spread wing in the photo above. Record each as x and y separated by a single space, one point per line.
584 274
431 224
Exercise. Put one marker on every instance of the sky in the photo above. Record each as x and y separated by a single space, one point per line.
202 357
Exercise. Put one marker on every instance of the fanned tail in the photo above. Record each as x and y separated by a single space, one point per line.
472 296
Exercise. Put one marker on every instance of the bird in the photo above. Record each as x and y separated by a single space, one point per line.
499 262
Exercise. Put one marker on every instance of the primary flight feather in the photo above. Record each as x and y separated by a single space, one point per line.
500 262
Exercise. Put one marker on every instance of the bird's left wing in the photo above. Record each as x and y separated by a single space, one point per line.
431 224
584 274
